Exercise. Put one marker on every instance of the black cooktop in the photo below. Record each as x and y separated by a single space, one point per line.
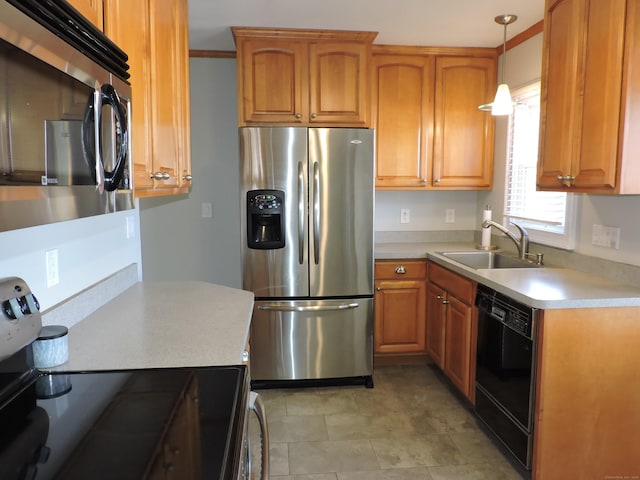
129 424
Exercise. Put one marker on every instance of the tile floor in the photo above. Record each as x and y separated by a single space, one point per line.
410 426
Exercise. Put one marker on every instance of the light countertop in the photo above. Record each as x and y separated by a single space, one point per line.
546 287
164 324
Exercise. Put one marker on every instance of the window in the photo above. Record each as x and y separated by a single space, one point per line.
549 217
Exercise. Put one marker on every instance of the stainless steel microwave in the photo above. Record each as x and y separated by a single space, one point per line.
65 136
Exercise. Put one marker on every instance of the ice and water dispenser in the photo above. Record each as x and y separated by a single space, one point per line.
265 219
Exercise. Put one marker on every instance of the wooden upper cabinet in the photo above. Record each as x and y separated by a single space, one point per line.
429 131
90 9
463 137
303 77
590 97
154 35
272 81
338 82
402 89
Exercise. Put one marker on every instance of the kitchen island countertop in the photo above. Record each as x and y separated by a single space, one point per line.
546 288
163 324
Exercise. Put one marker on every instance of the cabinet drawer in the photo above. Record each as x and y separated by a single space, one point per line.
456 285
401 269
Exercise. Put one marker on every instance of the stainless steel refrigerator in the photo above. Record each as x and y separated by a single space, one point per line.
307 251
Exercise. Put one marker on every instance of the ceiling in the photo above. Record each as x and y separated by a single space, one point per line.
398 22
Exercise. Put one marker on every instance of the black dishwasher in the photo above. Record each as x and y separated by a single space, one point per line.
505 370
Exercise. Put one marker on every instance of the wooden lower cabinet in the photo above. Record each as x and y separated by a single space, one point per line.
450 323
178 454
400 308
587 414
457 350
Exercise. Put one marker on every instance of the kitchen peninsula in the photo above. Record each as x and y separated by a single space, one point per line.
163 324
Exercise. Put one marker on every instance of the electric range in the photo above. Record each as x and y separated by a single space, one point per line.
183 423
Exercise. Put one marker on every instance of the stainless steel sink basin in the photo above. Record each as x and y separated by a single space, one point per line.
480 260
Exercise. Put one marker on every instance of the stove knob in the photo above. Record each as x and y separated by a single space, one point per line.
8 310
32 303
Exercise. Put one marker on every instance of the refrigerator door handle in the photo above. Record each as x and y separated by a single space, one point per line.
316 213
312 308
300 214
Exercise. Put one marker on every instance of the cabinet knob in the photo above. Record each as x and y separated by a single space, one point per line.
436 181
423 181
298 115
440 297
313 115
187 177
378 289
400 270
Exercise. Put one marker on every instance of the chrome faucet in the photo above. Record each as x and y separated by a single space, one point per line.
522 244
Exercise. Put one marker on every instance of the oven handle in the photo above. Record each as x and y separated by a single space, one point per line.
257 405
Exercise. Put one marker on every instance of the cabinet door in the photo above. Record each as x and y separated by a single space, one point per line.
458 344
582 85
273 85
402 115
399 316
436 315
165 86
463 139
154 36
338 83
127 24
90 9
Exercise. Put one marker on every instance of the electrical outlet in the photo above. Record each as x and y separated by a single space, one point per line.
51 266
207 210
131 227
450 215
404 215
608 237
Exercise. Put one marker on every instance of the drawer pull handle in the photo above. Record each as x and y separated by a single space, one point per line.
401 270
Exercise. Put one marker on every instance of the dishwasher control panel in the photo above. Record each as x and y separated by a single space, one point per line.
512 313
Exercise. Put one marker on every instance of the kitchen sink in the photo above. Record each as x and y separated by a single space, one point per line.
480 260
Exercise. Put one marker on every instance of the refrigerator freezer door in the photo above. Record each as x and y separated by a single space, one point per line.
275 158
301 340
341 212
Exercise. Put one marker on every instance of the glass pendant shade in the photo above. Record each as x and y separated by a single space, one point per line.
502 103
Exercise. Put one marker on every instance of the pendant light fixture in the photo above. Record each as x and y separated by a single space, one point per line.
502 103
